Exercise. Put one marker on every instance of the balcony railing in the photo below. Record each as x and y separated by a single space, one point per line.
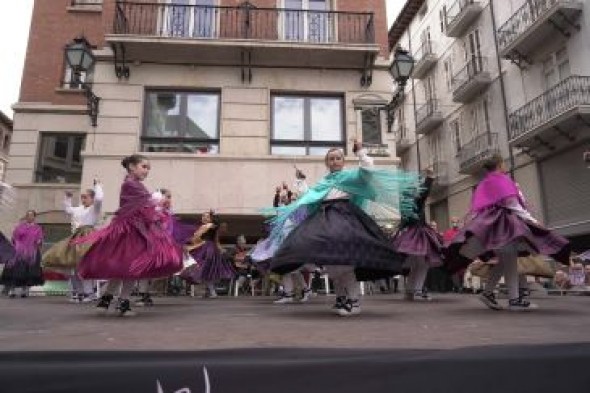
425 49
425 59
476 151
377 149
460 15
426 111
440 170
402 140
243 22
468 72
523 19
567 94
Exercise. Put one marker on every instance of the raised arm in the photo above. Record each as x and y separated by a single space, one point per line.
98 196
67 203
365 161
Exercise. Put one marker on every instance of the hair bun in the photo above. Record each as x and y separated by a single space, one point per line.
125 162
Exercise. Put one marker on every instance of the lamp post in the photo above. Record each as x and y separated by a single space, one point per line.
401 68
80 59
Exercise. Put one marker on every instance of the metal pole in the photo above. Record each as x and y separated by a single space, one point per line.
414 106
503 90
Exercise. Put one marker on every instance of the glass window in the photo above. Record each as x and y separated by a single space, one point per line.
60 159
371 125
326 119
288 118
181 122
69 82
306 125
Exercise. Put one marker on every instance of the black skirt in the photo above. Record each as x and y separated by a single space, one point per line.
341 234
23 272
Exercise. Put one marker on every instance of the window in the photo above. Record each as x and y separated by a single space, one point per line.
60 159
448 65
6 144
86 2
186 122
301 23
472 50
455 127
306 125
190 18
443 18
556 67
2 170
371 125
69 81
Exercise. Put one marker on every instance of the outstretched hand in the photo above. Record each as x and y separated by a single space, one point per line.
356 146
69 194
299 174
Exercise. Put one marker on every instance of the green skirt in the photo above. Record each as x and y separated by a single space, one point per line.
64 256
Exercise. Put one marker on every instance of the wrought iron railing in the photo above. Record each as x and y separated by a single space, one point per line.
567 94
401 133
455 11
522 19
478 149
440 170
425 49
475 66
425 111
243 22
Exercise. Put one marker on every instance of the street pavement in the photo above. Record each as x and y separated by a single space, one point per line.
386 322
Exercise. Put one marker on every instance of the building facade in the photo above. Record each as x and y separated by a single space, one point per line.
502 77
223 96
5 138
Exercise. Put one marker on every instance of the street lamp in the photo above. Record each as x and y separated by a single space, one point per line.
401 68
79 58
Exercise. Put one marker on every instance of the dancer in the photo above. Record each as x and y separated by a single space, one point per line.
335 232
211 265
134 245
23 270
420 243
163 199
65 255
502 227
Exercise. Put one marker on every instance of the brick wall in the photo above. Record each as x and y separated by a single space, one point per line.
52 27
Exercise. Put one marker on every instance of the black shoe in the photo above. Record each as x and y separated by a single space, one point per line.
145 301
524 292
124 308
104 302
340 301
351 307
489 299
520 304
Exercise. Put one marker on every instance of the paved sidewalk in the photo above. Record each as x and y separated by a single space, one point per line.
387 322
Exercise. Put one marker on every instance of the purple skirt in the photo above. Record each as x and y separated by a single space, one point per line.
420 240
496 228
211 266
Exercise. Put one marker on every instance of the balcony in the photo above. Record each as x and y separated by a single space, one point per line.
219 35
428 117
471 80
440 170
425 58
534 23
377 149
460 16
546 116
474 154
402 141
